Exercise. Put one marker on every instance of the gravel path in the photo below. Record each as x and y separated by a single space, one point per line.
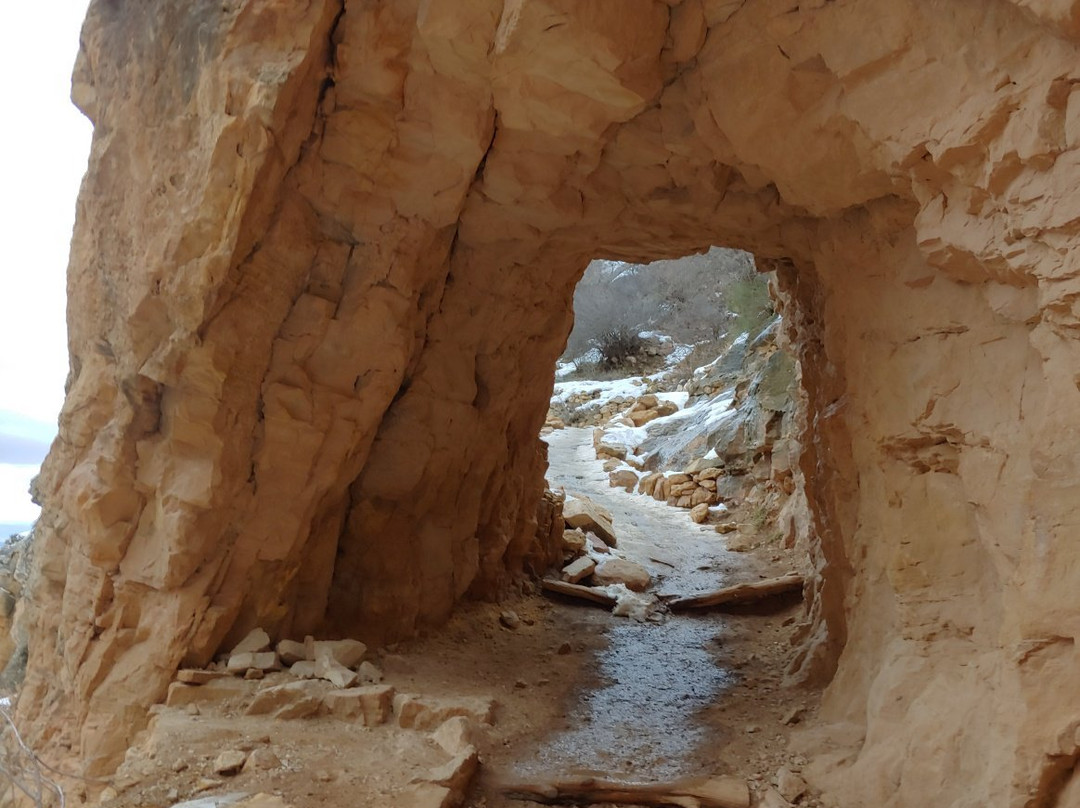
641 713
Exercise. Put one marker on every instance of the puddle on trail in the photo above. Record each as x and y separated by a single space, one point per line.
639 717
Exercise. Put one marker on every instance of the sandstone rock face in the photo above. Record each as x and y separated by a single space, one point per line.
324 261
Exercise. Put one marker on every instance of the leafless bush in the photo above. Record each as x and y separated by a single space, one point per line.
692 299
619 346
24 777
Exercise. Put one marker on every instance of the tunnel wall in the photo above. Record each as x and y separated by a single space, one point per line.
324 260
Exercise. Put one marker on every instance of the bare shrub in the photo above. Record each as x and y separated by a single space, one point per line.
698 298
24 777
619 346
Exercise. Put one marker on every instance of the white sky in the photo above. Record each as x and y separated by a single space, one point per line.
44 142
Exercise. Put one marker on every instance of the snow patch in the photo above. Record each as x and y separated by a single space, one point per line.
630 604
608 390
679 354
678 399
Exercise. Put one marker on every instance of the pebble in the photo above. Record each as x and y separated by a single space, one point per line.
509 619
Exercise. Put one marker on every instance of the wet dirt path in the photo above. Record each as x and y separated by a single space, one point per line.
641 714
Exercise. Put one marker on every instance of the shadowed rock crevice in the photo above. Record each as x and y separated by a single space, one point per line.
332 252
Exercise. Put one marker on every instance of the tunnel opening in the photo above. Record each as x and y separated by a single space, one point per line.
673 395
350 293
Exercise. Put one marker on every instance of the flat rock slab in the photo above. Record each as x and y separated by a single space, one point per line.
421 712
622 571
260 660
197 676
371 704
290 700
583 513
578 570
456 735
348 653
256 640
216 690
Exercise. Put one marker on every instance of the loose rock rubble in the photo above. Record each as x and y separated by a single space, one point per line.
733 468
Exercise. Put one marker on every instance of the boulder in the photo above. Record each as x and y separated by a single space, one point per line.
648 483
597 544
701 496
369 674
229 762
578 570
344 652
261 760
644 417
456 735
327 667
666 408
262 660
790 784
573 541
622 571
193 676
457 773
290 700
304 669
211 692
583 513
700 513
373 704
420 712
290 651
256 640
623 478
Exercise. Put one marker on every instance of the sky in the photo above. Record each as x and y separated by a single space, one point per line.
45 141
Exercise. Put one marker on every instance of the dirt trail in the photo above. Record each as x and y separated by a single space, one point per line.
578 690
641 713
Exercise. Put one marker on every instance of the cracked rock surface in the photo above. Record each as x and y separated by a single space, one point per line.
324 262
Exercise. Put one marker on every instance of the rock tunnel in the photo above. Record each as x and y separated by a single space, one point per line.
324 263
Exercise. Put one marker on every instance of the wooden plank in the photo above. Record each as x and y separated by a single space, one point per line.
709 792
578 591
741 594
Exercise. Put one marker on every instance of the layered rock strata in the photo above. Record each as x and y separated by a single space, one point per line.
324 262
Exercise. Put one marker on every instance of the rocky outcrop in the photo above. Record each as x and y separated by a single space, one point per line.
323 266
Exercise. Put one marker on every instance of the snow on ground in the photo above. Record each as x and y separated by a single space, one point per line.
593 356
629 437
679 354
700 416
631 387
709 410
614 388
564 369
704 369
678 399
